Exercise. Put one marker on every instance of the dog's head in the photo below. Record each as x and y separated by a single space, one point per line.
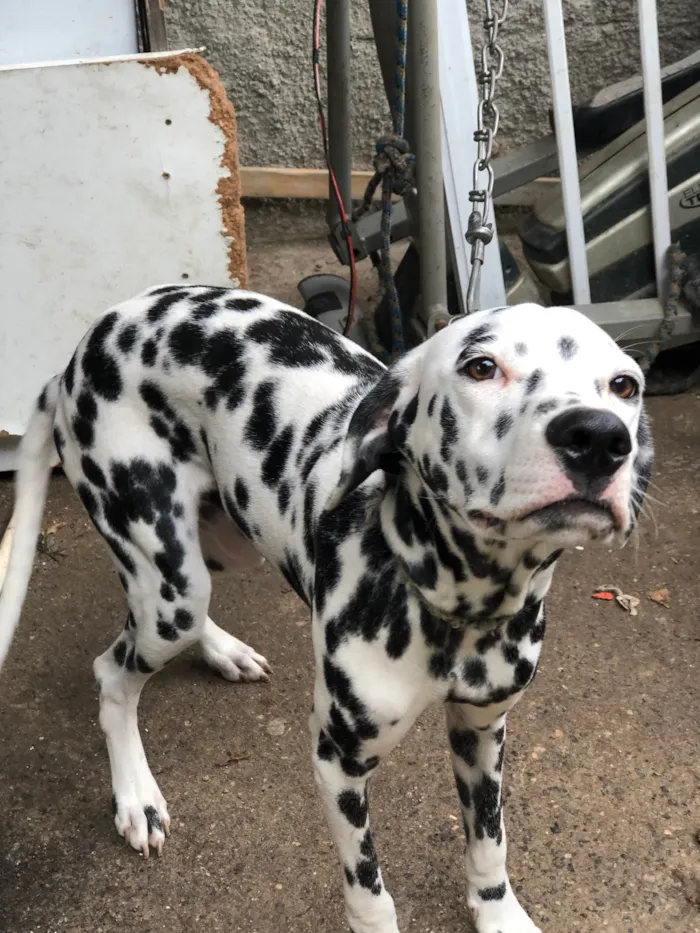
527 422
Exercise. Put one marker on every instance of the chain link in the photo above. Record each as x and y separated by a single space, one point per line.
480 229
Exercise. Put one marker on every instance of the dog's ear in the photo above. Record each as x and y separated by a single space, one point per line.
370 443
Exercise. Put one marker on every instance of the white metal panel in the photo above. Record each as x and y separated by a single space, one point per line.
45 30
566 145
108 185
459 100
654 113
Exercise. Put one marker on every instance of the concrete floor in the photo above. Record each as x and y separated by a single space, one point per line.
602 772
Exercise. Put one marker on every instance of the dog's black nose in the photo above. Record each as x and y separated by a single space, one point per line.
589 442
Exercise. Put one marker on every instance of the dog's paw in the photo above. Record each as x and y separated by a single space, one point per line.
142 819
376 917
500 916
232 658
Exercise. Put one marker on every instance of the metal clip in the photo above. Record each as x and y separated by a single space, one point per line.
478 235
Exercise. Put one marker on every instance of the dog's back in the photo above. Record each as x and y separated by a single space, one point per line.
212 391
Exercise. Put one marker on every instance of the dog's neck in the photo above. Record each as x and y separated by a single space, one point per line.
460 577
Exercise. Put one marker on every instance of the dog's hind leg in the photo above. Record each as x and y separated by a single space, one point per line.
147 512
157 629
477 745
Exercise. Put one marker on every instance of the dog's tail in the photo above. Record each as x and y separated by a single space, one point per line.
31 483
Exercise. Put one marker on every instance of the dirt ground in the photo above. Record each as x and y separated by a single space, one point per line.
602 773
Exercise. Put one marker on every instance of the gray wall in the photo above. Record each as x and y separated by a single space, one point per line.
261 48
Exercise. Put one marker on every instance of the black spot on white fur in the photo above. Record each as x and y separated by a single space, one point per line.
567 347
504 423
534 381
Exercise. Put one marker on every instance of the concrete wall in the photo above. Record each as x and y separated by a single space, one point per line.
262 49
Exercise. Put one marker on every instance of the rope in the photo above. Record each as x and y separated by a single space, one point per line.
394 167
368 324
677 265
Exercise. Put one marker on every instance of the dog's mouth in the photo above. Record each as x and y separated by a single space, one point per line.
486 520
573 513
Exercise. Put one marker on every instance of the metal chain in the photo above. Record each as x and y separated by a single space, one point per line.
480 230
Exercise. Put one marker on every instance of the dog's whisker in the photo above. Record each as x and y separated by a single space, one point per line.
634 343
629 330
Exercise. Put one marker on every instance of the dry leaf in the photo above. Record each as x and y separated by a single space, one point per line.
661 596
52 529
628 603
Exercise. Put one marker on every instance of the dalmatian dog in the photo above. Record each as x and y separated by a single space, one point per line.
418 510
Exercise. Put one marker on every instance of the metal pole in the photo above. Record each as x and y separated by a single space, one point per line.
653 109
339 106
566 145
423 49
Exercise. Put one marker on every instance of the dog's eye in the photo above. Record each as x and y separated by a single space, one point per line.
624 387
481 368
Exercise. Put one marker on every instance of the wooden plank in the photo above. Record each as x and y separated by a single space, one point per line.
266 182
270 182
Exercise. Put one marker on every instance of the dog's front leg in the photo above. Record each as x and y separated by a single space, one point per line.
342 782
477 748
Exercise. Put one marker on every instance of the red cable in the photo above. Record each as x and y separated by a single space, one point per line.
318 5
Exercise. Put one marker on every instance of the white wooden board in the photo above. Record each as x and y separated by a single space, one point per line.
46 30
108 185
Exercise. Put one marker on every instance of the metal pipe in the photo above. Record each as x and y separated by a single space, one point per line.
424 64
566 145
338 54
653 109
383 17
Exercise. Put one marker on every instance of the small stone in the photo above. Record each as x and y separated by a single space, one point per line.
276 727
